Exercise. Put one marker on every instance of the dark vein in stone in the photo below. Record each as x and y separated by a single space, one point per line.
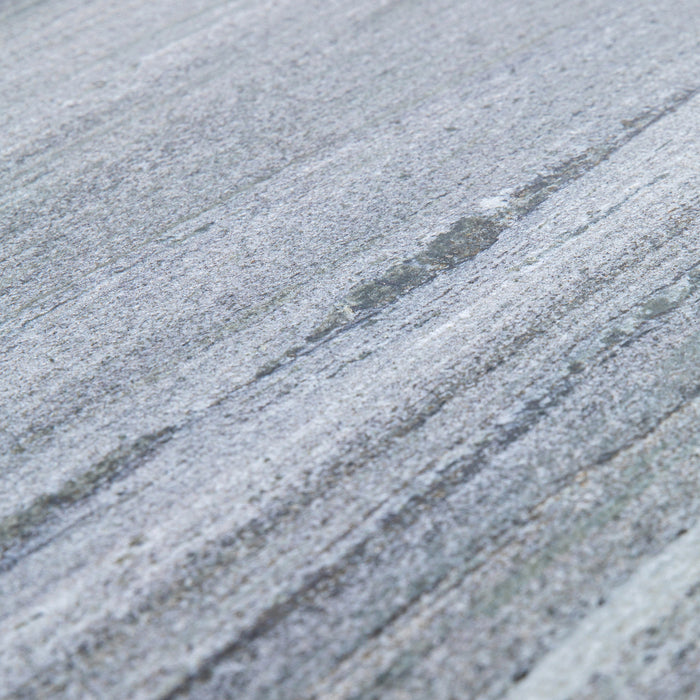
467 237
450 479
17 529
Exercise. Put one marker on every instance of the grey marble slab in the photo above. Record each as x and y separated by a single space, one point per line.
349 349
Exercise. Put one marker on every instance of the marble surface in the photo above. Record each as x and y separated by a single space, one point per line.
349 349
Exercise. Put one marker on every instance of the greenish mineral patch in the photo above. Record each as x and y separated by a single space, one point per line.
465 239
658 306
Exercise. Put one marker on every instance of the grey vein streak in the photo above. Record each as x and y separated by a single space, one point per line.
32 523
469 236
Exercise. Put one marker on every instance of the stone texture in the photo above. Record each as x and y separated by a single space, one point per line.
349 349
